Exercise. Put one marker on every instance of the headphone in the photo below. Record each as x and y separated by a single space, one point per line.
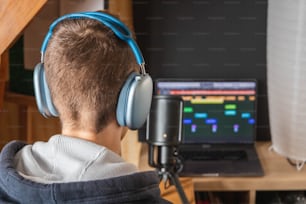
135 96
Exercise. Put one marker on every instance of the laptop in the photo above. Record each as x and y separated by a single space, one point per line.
219 123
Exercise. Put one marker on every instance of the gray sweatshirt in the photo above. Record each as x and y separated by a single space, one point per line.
72 170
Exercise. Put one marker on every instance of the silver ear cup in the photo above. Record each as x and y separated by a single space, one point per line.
42 92
135 101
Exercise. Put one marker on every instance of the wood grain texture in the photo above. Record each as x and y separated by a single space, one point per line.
14 17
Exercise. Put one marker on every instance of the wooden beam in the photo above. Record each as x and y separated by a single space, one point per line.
14 17
4 66
124 10
20 99
2 86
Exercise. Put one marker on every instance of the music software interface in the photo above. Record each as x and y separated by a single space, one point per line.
215 111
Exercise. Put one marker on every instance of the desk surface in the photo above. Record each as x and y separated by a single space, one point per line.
279 175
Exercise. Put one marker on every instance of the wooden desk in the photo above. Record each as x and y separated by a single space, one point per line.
279 175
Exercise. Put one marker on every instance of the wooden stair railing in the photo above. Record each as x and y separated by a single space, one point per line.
14 17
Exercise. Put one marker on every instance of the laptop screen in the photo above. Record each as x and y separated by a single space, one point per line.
214 111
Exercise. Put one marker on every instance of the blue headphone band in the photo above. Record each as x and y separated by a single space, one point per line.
117 26
135 96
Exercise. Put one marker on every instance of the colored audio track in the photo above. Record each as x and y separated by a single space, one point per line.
215 111
216 114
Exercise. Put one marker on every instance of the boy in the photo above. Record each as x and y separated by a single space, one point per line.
85 65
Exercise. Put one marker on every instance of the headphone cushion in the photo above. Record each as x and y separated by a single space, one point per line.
134 101
42 92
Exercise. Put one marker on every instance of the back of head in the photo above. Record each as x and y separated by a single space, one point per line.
86 66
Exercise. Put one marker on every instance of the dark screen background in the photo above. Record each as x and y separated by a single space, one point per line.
206 39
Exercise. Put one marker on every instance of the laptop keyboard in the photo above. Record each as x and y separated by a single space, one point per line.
215 155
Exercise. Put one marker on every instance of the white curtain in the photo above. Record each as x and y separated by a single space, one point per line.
286 75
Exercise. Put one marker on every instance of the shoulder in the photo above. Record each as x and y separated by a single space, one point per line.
11 148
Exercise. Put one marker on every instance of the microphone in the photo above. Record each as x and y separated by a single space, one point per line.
164 127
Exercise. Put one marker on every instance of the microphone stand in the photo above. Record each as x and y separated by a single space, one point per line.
168 166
